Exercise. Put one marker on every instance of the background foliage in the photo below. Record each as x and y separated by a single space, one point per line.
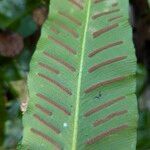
21 21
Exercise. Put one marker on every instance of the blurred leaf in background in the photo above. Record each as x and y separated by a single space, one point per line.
20 25
140 12
143 93
10 11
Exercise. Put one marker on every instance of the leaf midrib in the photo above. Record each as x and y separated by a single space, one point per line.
76 118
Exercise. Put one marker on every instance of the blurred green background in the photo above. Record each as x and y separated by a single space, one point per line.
20 27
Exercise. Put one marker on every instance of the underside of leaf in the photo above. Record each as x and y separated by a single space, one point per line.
82 79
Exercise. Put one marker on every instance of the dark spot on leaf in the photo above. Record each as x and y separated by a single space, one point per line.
98 96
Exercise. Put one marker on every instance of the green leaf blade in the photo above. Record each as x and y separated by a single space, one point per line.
82 79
